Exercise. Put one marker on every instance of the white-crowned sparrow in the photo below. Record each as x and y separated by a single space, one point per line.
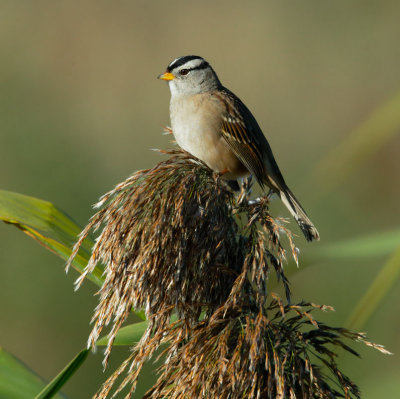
211 123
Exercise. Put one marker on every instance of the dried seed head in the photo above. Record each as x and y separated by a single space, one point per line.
242 354
176 239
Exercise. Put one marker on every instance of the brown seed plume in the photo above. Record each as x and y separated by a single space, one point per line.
175 239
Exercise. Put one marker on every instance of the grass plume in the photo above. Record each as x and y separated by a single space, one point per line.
175 239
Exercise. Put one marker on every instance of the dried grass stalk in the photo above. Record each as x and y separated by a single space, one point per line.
175 239
253 353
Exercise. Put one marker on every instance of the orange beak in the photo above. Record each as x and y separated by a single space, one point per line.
167 76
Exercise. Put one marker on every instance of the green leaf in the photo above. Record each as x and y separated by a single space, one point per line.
42 216
17 381
374 245
56 384
48 225
128 335
51 227
379 288
141 314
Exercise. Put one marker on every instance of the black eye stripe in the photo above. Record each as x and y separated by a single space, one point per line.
203 65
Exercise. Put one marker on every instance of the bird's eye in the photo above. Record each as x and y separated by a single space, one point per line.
184 72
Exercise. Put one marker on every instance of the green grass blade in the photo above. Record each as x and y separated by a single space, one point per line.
128 335
49 226
42 216
56 384
379 288
374 245
63 252
17 381
344 159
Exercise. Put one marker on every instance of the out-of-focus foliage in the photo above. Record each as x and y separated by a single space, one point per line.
50 390
362 143
17 381
381 286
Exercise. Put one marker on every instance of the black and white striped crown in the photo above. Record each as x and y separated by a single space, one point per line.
191 62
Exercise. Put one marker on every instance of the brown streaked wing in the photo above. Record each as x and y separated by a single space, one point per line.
242 137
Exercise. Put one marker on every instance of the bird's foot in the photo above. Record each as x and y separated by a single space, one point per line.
270 193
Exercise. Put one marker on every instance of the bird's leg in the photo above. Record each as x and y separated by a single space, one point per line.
271 192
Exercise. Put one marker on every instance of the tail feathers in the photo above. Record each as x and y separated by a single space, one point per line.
304 222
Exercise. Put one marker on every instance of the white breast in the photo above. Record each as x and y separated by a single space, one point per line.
195 126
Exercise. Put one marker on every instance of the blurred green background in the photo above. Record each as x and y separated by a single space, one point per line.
80 109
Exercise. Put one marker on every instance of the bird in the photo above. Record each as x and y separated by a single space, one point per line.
214 125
